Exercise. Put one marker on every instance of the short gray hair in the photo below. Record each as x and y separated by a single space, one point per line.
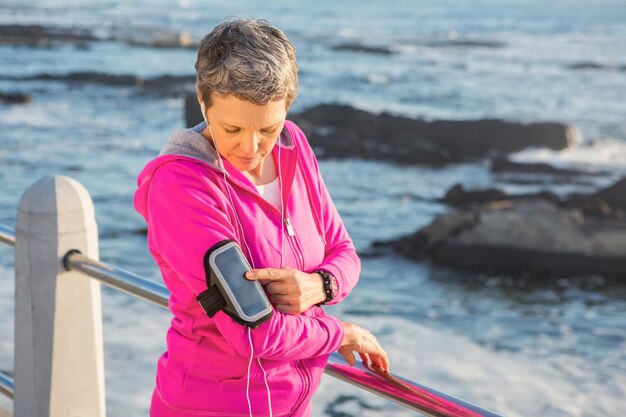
247 58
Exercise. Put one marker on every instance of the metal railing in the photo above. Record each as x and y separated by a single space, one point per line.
6 382
7 235
411 395
6 385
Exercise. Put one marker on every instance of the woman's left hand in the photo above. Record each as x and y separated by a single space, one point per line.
290 290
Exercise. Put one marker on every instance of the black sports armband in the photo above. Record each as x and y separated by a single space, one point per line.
228 289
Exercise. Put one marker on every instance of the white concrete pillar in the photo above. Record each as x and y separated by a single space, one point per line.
4 412
59 365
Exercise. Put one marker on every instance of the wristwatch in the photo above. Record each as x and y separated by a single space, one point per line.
330 286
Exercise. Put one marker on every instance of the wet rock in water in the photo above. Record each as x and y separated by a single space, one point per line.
587 65
37 35
86 76
506 165
466 43
15 98
167 82
536 235
193 114
177 84
457 196
357 47
609 202
154 37
338 131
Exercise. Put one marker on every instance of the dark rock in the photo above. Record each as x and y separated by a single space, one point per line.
528 237
506 165
587 65
15 98
466 43
83 76
165 83
88 76
457 196
536 234
609 202
614 195
527 262
337 131
193 114
480 138
344 132
116 234
36 35
357 47
153 37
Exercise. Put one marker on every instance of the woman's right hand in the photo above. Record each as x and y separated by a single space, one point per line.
358 339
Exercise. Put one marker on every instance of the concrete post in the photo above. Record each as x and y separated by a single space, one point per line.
4 412
59 365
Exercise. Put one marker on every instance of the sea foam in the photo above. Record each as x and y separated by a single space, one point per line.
513 384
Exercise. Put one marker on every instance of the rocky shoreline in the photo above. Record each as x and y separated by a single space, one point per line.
538 235
338 131
487 230
48 36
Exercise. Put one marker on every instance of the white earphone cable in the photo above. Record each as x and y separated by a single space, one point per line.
248 379
243 238
282 210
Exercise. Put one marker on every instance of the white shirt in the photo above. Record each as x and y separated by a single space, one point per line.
271 192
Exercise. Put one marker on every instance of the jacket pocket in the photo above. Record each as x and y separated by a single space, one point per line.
285 386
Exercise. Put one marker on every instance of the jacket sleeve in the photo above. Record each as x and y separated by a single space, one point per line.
184 221
340 257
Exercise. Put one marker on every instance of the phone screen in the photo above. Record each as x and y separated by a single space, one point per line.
233 265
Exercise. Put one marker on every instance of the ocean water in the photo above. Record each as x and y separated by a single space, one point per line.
519 347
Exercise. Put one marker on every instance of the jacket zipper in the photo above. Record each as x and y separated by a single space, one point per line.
293 240
296 249
305 386
291 233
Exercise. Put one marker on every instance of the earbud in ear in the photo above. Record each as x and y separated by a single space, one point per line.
203 110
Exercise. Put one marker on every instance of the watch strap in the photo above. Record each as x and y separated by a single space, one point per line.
330 286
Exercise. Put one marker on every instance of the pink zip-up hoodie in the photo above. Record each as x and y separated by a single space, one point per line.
191 200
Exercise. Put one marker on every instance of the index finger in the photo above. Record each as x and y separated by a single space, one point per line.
265 274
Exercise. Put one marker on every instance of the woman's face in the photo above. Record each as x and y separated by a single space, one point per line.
243 132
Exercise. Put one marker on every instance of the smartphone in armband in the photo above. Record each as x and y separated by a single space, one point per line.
243 300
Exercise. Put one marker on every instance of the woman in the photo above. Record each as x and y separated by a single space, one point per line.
248 175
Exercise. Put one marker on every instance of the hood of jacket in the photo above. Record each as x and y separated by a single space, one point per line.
189 144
